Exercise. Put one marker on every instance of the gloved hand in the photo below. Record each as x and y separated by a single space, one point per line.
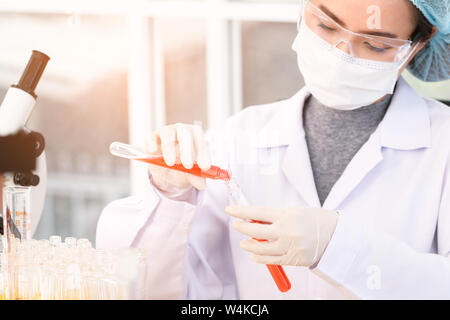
296 236
179 143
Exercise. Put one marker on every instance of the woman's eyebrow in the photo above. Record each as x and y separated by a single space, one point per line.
331 15
379 33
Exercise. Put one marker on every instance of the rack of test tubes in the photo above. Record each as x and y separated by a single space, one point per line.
52 269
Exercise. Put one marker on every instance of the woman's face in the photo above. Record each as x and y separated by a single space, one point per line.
387 18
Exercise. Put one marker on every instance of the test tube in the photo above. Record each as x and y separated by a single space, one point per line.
28 277
84 243
2 272
47 281
16 215
142 274
72 282
55 241
91 285
71 242
133 153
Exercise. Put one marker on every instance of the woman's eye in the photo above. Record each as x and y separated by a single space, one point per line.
324 26
376 49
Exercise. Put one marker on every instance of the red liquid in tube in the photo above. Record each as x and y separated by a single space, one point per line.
277 272
213 173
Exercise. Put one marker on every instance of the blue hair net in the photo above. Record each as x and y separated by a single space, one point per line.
432 63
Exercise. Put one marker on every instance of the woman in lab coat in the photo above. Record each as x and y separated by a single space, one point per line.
351 175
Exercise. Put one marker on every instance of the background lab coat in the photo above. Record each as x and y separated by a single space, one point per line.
392 239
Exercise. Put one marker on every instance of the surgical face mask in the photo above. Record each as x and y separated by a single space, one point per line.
339 80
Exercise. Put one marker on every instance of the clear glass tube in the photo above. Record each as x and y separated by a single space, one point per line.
72 282
16 214
2 272
55 241
71 242
16 227
142 282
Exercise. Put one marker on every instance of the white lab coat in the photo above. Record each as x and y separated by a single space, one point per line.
392 240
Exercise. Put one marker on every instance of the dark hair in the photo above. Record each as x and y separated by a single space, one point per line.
424 29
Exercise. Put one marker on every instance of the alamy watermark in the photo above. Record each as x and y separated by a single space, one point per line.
374 20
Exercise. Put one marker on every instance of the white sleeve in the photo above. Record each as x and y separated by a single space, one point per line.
375 265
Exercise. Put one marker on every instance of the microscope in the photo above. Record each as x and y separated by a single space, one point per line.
22 156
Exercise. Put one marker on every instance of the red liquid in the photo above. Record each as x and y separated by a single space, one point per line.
277 272
213 173
280 277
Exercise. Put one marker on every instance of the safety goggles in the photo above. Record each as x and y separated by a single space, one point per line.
359 45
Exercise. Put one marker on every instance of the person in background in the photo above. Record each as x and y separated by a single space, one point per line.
350 176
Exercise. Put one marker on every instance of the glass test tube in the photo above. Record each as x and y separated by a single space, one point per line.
16 215
16 227
2 271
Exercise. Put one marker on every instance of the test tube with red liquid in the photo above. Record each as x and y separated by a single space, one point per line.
133 153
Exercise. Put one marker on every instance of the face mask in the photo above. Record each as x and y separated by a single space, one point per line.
339 80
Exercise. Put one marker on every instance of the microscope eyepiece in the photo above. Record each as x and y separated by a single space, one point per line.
33 72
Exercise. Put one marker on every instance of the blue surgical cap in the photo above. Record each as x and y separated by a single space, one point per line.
432 63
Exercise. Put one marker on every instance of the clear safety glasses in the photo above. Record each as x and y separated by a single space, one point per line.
359 45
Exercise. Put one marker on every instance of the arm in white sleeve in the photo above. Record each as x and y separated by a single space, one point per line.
375 265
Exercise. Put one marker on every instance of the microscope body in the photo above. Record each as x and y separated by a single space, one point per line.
22 156
23 163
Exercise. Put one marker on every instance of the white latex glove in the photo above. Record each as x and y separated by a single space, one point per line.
179 143
296 236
